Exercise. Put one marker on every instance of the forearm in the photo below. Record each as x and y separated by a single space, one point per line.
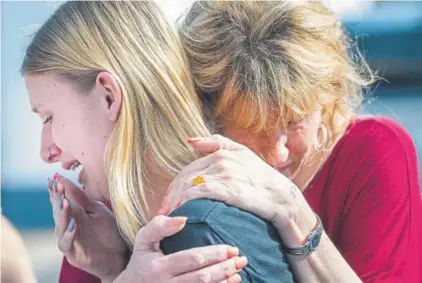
118 273
325 264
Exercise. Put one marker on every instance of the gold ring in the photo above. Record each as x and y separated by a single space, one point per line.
198 180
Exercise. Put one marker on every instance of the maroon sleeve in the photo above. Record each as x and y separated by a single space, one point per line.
381 221
71 274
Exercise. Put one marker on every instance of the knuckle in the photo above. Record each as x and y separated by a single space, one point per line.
221 253
156 267
221 165
220 154
158 221
61 247
229 268
204 277
205 188
197 258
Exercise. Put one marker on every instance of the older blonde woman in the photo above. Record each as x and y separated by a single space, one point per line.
278 77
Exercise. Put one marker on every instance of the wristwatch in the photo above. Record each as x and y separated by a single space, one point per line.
312 241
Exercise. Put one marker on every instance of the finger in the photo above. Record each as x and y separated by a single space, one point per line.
57 197
209 190
210 164
50 189
215 273
197 165
175 197
214 143
76 195
63 218
66 243
149 236
242 196
196 258
233 279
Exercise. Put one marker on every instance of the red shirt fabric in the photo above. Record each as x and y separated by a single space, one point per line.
367 195
71 274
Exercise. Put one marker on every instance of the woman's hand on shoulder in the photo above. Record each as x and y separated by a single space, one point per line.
235 175
213 264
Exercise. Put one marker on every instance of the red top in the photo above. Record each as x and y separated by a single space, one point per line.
368 197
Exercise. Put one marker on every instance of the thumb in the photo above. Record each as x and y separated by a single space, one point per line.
213 143
149 236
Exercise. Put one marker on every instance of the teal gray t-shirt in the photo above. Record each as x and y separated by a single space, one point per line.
211 222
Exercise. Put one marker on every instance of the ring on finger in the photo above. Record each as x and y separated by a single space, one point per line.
198 180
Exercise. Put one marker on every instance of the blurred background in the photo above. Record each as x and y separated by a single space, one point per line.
389 34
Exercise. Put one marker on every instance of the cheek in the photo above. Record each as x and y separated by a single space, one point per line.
301 141
71 138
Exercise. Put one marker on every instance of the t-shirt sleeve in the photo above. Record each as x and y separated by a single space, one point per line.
256 239
382 217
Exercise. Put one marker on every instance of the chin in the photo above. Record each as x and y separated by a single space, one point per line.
92 193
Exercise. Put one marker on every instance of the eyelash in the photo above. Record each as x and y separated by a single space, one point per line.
48 120
293 123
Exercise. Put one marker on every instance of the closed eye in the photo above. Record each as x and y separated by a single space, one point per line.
48 120
297 122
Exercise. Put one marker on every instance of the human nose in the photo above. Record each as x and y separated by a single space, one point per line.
50 152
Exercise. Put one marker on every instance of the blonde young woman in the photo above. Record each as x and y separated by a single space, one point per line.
110 82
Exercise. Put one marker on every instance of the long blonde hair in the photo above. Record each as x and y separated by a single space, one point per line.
274 60
160 109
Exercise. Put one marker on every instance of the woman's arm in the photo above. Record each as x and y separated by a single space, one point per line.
378 233
325 264
379 226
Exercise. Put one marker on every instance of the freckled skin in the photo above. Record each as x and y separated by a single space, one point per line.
78 127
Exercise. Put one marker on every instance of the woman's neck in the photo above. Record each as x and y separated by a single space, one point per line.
316 159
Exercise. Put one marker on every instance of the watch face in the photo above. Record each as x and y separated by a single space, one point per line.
315 240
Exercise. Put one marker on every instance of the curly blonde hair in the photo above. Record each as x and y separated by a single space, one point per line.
260 64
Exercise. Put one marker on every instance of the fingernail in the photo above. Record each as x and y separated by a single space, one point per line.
50 183
241 262
61 202
71 225
232 252
55 185
234 279
197 139
57 176
178 222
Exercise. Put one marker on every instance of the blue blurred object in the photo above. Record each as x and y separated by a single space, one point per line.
27 208
390 35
